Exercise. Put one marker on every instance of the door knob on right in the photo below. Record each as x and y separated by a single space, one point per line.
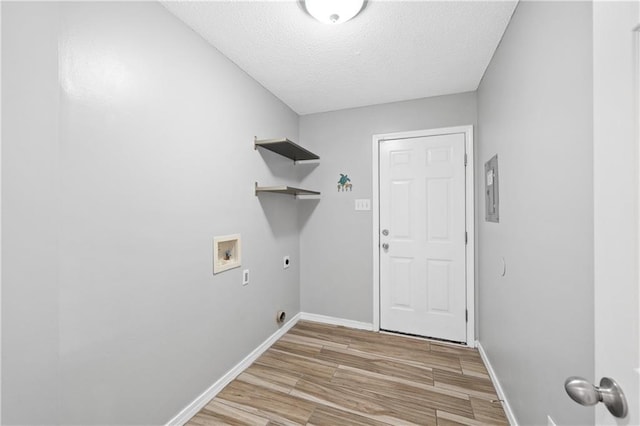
609 393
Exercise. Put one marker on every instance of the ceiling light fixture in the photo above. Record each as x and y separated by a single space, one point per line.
333 11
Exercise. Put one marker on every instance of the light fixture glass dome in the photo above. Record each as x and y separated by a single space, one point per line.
333 11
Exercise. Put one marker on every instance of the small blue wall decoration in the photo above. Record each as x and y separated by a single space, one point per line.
344 183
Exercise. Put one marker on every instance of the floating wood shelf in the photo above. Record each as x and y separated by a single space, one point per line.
286 148
283 189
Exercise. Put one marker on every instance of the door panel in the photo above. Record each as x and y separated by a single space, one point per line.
439 286
438 209
401 208
422 205
401 274
616 58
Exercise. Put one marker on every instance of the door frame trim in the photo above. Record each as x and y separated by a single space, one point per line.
469 217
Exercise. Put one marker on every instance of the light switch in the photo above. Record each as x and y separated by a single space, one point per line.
245 277
363 204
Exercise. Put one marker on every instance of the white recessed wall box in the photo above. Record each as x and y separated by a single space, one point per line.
227 253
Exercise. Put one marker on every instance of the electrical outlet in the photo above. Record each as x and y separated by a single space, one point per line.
245 277
286 262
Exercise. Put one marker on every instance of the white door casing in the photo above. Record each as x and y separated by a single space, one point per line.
423 197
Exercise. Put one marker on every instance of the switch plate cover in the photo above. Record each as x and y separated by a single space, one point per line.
363 204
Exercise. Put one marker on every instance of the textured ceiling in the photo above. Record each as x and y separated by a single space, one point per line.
391 51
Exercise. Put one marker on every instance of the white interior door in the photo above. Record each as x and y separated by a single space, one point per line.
422 240
617 306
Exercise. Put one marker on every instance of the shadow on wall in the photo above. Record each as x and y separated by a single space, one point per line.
305 168
306 208
281 167
280 211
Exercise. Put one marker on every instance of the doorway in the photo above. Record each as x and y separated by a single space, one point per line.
423 233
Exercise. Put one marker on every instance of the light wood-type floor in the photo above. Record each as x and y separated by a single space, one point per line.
320 374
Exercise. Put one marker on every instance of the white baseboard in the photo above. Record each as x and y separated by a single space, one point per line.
192 409
505 402
336 321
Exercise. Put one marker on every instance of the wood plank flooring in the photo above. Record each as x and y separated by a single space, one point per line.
320 375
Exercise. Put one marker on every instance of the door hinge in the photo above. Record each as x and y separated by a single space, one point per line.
466 315
466 237
465 159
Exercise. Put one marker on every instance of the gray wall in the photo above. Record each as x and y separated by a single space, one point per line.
535 111
336 271
115 182
30 216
